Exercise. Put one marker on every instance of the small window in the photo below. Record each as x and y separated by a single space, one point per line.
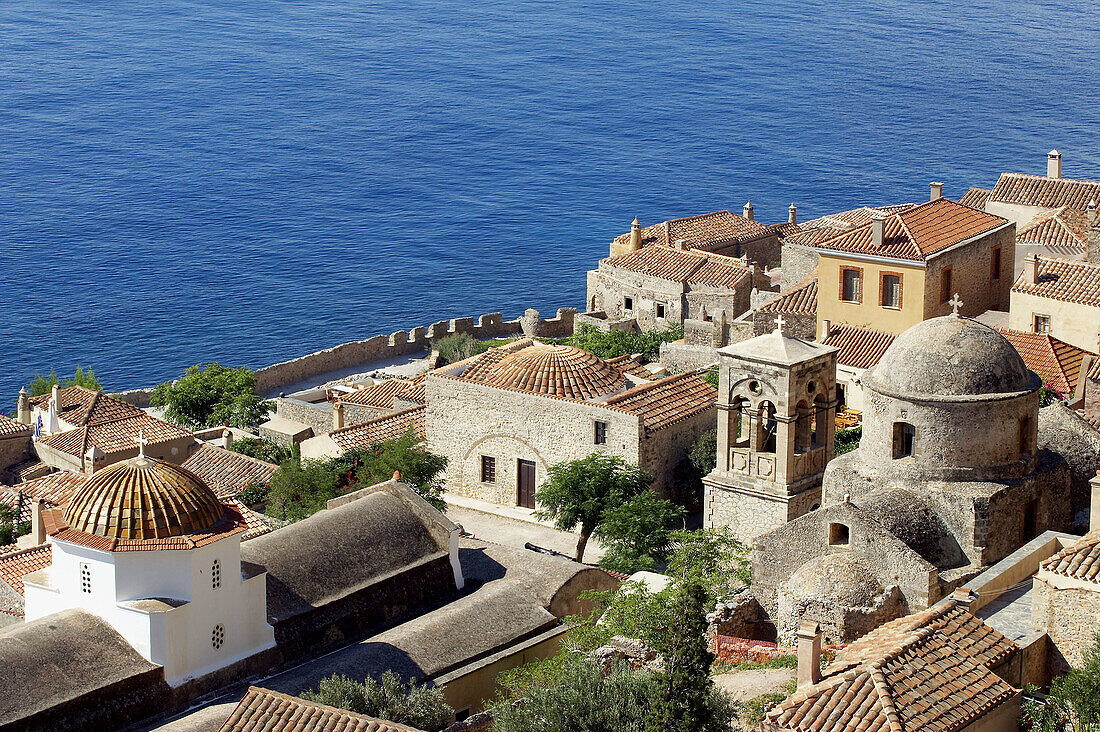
995 264
838 535
462 714
903 439
1029 528
216 574
628 303
488 469
945 285
1042 323
85 578
1025 436
891 291
660 310
217 636
851 289
601 433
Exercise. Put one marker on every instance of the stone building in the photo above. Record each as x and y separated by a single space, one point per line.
15 446
941 670
657 287
948 479
1060 365
1060 298
502 418
720 232
797 305
776 410
858 349
1020 197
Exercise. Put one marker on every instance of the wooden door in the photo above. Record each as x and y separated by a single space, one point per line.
526 482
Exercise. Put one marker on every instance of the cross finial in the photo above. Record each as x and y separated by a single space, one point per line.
779 323
142 442
955 304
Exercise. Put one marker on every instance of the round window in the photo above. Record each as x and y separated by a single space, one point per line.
754 386
217 637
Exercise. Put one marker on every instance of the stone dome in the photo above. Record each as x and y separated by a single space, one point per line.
839 578
143 498
561 371
951 356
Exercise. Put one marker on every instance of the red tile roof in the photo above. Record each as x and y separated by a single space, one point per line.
931 671
975 197
682 266
12 427
919 232
16 565
852 218
1037 190
78 406
1057 362
705 231
256 524
55 488
554 370
860 348
262 710
1081 560
118 435
383 393
800 299
1057 279
380 429
232 523
227 473
1062 231
667 401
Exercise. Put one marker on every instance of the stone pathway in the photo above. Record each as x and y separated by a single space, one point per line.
745 685
514 526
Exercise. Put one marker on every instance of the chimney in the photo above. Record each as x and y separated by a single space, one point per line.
878 224
1054 164
1093 233
679 244
937 191
38 529
1094 511
24 407
825 327
809 653
227 435
747 210
635 235
964 598
1090 211
91 458
338 416
1031 269
792 214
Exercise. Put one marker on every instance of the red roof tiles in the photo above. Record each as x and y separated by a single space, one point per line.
553 370
667 401
118 435
1057 362
1037 190
1081 560
18 564
1057 279
860 348
79 405
227 473
1063 231
262 710
382 394
380 429
12 427
55 488
678 265
854 217
975 197
799 300
232 523
705 231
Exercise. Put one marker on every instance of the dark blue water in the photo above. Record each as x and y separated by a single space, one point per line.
249 181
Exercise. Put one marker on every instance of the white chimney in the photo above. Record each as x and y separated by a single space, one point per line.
809 653
227 435
1090 211
679 244
1054 164
937 191
24 406
38 529
635 235
825 327
338 416
792 214
1031 269
878 224
747 211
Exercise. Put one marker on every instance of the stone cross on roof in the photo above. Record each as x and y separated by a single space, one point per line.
779 323
955 304
142 442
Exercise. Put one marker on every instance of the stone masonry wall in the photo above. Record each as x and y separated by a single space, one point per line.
798 262
662 451
317 416
1070 617
970 276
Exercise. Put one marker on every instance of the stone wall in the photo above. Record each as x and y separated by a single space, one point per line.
839 623
661 451
678 357
1069 616
970 276
798 262
317 416
598 319
798 325
14 449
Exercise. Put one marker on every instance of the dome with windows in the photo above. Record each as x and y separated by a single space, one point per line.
143 498
951 356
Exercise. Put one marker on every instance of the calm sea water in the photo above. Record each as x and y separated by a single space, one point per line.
249 181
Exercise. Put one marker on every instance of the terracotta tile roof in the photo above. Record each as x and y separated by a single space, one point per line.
78 406
383 393
1038 190
975 197
705 231
784 229
380 429
32 469
667 401
800 299
1058 279
262 710
55 488
256 524
860 348
18 564
12 427
227 473
678 265
919 232
1062 231
475 366
232 523
811 237
118 435
1094 370
1081 560
553 370
930 671
1057 362
854 217
631 365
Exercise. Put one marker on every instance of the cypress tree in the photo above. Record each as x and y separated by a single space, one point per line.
685 698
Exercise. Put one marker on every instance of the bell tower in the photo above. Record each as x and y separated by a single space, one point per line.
776 417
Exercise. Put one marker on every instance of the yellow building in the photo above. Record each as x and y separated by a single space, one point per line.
901 268
1059 298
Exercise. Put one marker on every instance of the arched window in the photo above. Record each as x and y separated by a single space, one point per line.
838 535
904 435
804 433
216 574
766 440
217 636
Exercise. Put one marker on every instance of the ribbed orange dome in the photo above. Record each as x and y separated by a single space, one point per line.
556 370
143 498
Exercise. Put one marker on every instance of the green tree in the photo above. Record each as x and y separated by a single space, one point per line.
614 343
44 384
10 526
1073 702
685 692
581 492
300 488
847 440
704 453
392 700
636 532
211 394
711 558
457 347
261 449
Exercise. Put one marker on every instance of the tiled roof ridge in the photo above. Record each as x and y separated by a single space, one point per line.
24 551
371 722
38 399
699 216
233 452
638 389
721 258
884 697
1036 176
531 393
383 417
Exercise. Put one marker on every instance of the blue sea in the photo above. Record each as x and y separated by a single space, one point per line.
250 181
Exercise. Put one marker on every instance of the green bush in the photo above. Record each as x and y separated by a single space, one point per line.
253 494
751 712
614 343
44 384
209 395
261 449
457 347
847 440
1073 702
393 700
704 453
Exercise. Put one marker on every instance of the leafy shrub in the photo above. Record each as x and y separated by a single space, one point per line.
211 394
10 528
253 494
704 453
751 712
847 440
261 449
456 347
614 343
393 700
1073 703
44 384
637 532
